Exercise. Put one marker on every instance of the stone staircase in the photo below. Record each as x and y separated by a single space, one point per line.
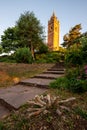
13 97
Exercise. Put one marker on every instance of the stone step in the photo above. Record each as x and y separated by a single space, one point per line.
60 65
14 97
54 72
47 76
37 82
56 69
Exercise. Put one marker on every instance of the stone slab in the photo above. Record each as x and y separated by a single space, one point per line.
18 95
54 72
56 69
37 82
48 76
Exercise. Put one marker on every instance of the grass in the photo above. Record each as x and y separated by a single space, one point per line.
76 119
10 73
59 83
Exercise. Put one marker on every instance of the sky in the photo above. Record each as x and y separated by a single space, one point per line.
68 12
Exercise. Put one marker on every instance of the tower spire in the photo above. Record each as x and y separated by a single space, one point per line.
54 14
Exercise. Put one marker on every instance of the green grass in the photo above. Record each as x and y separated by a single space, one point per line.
59 83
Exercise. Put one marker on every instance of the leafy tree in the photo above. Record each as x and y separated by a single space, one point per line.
9 39
29 31
72 37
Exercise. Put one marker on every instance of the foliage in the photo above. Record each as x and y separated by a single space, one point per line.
72 37
84 49
1 50
72 72
50 57
59 83
29 31
76 80
43 48
8 59
77 85
23 55
9 39
73 56
72 84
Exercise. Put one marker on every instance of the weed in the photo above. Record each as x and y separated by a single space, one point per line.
81 112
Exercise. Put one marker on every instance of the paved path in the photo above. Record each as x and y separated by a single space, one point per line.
13 97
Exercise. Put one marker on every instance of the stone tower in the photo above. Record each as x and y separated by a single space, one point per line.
53 33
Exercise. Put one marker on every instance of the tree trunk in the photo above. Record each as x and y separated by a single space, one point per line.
32 51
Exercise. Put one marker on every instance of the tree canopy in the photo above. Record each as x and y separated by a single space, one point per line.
72 37
9 39
28 32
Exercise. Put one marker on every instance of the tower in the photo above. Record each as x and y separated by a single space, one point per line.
53 33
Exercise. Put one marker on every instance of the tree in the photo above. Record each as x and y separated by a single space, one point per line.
29 31
9 39
72 37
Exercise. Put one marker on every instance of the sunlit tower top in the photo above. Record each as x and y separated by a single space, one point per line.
53 33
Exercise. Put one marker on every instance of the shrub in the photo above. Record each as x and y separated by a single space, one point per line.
50 57
43 49
73 57
23 55
84 49
8 59
74 72
59 83
76 85
75 80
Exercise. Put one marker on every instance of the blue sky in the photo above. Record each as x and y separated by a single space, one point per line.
68 12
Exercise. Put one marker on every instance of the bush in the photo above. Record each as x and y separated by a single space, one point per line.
74 72
73 57
59 83
8 59
75 80
43 49
84 49
50 57
23 55
76 85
